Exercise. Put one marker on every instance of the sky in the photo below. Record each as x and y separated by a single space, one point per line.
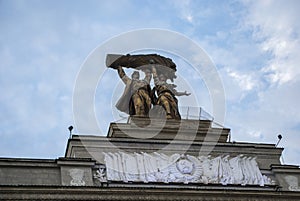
254 45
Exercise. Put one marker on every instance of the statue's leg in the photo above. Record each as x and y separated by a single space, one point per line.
138 105
147 104
165 103
174 110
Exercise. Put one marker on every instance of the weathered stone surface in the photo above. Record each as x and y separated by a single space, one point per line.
93 146
288 176
187 130
29 172
44 171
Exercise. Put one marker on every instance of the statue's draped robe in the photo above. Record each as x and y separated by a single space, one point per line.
136 93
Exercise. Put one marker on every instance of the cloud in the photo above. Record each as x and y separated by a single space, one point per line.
244 81
268 90
184 9
276 25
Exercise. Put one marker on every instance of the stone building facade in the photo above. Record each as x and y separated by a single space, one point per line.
138 160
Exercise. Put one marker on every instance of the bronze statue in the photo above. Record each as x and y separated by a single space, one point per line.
136 96
166 95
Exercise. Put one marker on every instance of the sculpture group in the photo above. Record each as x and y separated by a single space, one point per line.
139 97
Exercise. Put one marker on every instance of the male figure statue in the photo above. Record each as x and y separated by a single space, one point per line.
136 96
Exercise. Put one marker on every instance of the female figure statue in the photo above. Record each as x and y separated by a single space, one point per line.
166 95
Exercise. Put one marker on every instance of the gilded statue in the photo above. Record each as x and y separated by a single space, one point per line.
166 95
136 96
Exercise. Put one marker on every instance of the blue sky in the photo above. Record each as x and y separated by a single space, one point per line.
255 46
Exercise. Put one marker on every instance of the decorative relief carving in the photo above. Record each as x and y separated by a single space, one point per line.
158 167
185 169
100 175
292 182
77 177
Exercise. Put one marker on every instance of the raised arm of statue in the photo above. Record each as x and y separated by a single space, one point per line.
155 77
123 75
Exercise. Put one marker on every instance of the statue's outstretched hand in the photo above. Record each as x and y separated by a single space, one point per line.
186 93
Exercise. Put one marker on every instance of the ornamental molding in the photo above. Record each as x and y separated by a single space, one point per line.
77 177
292 182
